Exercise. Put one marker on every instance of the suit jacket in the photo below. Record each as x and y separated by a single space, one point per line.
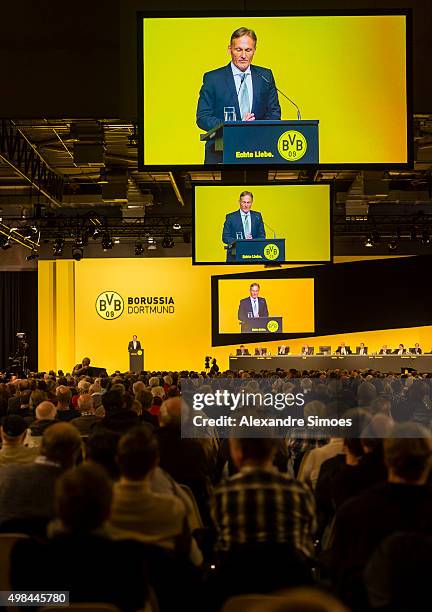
365 350
245 307
310 351
387 352
414 351
245 352
396 351
131 348
283 350
234 225
219 90
348 351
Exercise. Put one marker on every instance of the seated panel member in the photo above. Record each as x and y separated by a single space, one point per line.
242 350
342 349
253 306
134 344
416 350
384 350
243 224
401 350
283 349
361 349
307 350
251 90
260 350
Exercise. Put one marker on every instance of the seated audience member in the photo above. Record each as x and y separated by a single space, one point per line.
156 518
95 390
416 349
13 433
64 411
80 550
156 406
146 400
27 491
87 416
118 416
101 448
397 577
14 401
401 350
317 456
343 349
37 397
46 414
362 349
242 350
384 350
403 503
265 523
186 460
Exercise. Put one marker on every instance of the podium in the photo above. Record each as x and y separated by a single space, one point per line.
266 142
257 250
136 360
259 325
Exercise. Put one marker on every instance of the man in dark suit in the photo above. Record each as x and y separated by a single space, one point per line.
251 90
384 350
362 349
253 306
243 224
283 349
242 350
342 349
416 350
401 350
134 344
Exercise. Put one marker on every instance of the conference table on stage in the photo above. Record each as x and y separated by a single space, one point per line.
383 363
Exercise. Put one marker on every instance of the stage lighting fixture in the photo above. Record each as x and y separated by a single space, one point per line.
58 246
77 253
167 242
369 242
33 255
139 249
150 239
152 246
107 242
116 240
392 245
176 226
425 237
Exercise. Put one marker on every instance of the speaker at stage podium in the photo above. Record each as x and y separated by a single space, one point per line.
136 360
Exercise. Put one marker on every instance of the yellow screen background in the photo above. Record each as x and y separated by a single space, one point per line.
291 299
348 72
298 213
70 328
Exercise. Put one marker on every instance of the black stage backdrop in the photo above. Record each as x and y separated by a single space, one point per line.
18 312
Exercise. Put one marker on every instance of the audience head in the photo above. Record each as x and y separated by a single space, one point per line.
63 395
83 386
36 397
85 403
137 453
253 451
101 448
13 429
61 443
46 411
170 413
408 453
112 401
145 398
83 498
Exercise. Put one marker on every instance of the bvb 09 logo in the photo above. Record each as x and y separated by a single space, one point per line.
271 251
272 326
292 145
109 305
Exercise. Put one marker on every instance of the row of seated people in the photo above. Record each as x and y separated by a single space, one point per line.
367 500
342 349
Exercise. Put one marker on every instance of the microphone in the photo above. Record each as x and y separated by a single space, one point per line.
281 92
270 228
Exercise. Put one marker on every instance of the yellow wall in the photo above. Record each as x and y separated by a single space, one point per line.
70 328
347 72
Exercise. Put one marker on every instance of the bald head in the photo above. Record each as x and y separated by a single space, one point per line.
61 443
171 410
46 410
85 403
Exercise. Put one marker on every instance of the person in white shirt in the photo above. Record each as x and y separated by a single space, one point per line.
134 344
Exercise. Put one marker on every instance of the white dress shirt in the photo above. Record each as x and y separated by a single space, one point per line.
237 74
255 306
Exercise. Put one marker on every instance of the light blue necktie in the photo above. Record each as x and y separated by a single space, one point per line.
244 101
247 228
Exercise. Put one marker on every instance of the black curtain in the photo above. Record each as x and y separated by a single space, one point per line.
18 313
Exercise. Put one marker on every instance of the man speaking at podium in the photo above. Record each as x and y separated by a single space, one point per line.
243 224
253 306
134 344
251 90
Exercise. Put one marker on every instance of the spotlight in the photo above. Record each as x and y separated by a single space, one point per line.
77 253
150 239
107 242
176 226
167 242
369 242
58 246
139 249
33 255
116 240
